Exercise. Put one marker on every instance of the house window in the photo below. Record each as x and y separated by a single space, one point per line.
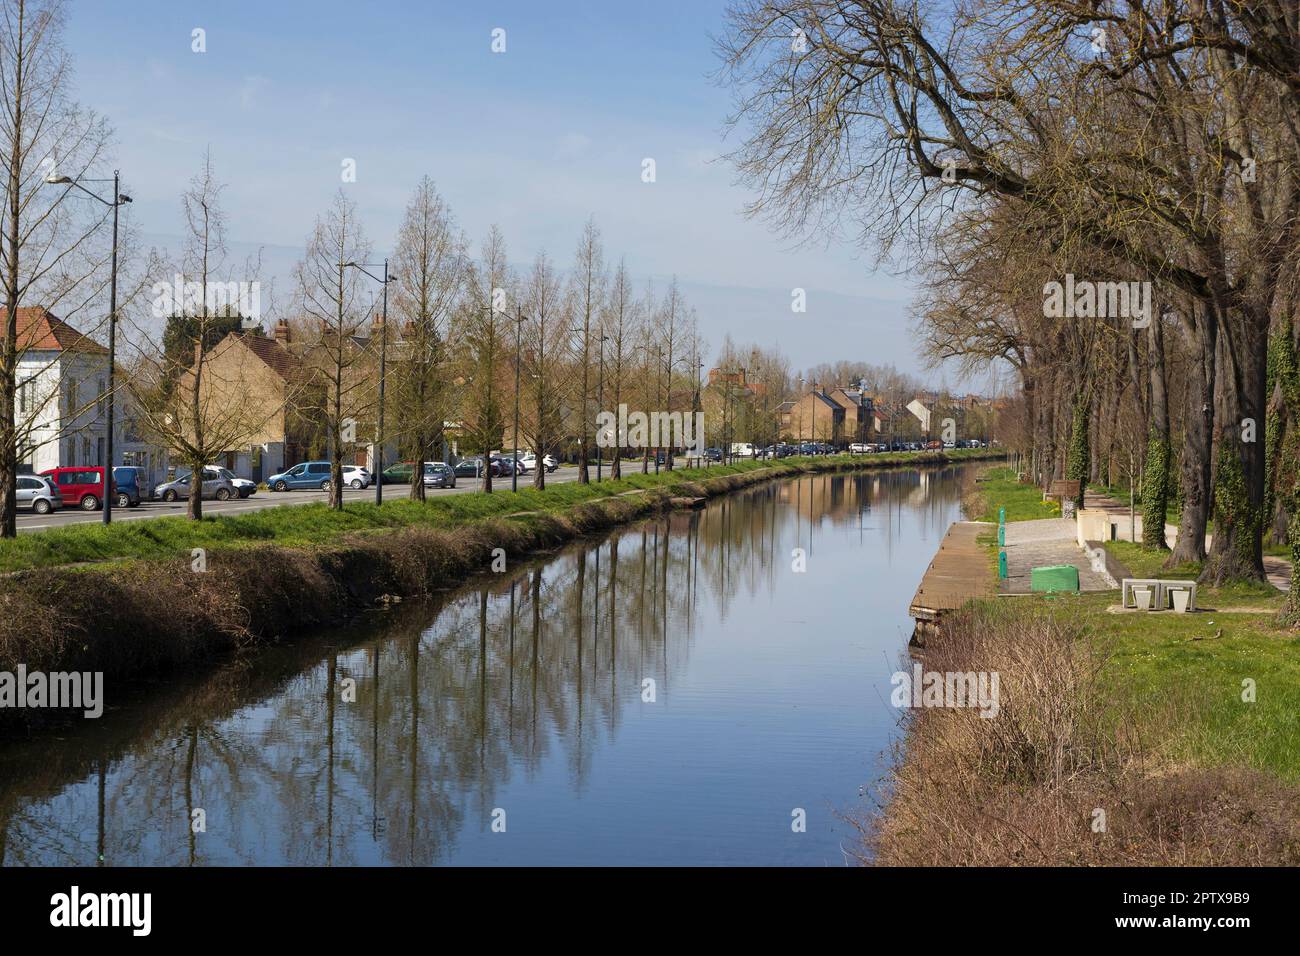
72 396
99 402
25 396
85 451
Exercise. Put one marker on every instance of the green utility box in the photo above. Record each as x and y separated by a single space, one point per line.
1057 577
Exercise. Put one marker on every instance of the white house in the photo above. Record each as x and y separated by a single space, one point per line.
61 408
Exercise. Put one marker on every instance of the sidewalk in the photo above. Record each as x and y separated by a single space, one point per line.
1045 542
1277 568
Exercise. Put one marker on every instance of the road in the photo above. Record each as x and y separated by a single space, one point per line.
28 521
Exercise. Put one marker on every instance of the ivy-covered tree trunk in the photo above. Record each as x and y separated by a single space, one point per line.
1076 465
1155 480
1237 549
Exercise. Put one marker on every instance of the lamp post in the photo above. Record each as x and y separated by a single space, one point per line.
383 370
814 416
514 461
600 405
119 200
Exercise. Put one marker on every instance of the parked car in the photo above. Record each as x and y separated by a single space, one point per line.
307 474
934 444
529 460
83 487
713 454
127 491
473 467
38 493
244 487
398 474
356 476
215 485
143 484
438 474
859 448
508 466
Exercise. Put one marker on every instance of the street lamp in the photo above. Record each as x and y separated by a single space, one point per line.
600 404
119 199
383 370
514 466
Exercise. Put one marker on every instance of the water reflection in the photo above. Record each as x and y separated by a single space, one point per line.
666 694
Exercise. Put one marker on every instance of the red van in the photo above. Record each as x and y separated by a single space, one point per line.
83 487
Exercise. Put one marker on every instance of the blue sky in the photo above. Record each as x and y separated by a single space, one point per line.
535 139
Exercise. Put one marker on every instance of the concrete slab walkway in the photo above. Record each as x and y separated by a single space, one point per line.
1046 541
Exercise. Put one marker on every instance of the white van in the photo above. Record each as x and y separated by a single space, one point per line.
742 449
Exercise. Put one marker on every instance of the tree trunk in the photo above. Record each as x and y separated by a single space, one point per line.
1236 552
1155 480
1198 429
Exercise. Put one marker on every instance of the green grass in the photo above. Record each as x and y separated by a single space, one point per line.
1186 692
1173 507
306 525
998 488
1177 679
1149 562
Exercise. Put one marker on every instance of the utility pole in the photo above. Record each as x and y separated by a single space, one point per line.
514 466
600 404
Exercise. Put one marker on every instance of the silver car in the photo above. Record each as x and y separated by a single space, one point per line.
38 494
215 485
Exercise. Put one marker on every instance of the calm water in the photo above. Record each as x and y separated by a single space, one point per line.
525 694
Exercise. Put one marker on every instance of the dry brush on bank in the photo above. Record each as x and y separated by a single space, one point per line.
1062 775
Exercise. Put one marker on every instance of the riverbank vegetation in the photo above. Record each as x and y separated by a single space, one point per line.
1182 730
1113 745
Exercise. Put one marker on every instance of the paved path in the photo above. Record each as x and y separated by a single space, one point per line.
1277 568
1045 542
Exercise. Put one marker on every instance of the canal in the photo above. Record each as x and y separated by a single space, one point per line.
682 691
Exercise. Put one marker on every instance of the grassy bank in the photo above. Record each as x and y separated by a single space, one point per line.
285 570
1140 716
316 524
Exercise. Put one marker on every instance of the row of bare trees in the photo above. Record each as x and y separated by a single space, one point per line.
1009 145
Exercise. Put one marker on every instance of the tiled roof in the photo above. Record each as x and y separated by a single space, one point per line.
41 329
273 353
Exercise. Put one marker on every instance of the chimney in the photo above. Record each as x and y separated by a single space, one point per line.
282 331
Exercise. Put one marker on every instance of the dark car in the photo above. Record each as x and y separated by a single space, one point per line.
473 468
399 474
505 467
128 485
713 454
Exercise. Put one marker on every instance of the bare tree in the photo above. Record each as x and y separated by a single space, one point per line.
485 338
547 332
587 289
48 244
621 321
191 397
330 296
430 263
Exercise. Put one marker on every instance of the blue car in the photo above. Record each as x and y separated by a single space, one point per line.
308 474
